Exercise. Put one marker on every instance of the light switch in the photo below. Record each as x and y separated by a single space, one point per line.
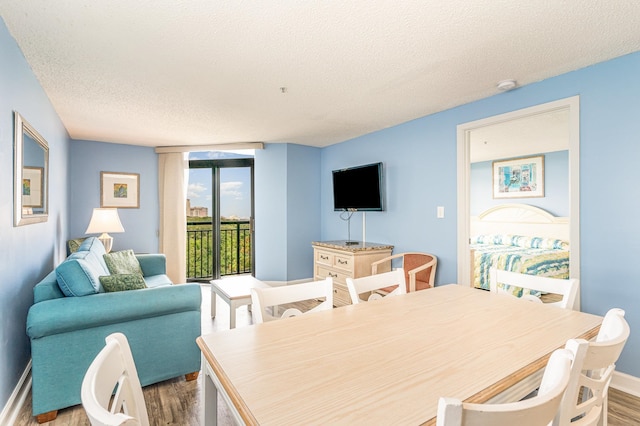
440 213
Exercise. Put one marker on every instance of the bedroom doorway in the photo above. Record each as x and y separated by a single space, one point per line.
512 135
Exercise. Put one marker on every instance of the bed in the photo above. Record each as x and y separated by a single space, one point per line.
518 238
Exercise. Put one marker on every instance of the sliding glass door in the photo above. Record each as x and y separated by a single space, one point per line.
220 218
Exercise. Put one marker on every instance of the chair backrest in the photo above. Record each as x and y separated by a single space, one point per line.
585 399
539 410
394 280
419 268
263 298
113 369
568 289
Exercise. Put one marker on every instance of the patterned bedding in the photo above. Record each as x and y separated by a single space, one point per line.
516 253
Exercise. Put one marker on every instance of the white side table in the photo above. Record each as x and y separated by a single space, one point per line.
235 291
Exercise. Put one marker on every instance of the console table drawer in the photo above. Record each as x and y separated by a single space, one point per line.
324 258
341 295
338 277
343 262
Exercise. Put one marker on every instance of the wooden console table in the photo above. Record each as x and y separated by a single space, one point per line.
339 260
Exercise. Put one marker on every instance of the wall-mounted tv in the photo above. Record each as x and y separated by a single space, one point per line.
358 188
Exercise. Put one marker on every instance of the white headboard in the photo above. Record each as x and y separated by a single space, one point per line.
520 219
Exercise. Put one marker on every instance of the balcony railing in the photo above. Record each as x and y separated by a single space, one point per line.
235 249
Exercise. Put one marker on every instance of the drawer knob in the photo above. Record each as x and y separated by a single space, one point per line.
324 257
333 275
342 262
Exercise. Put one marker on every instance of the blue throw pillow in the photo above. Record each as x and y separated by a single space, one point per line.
79 275
96 249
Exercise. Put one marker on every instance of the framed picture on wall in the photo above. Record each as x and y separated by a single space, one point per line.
32 181
519 177
120 190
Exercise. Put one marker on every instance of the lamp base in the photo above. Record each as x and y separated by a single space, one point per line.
107 241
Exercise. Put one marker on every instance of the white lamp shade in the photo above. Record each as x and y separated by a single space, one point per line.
104 220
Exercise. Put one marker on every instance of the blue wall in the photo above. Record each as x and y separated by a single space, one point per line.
556 186
287 211
303 208
419 162
27 252
87 160
271 212
420 159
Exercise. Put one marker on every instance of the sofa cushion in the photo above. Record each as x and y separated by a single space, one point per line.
70 314
157 280
47 289
122 262
79 274
122 282
96 248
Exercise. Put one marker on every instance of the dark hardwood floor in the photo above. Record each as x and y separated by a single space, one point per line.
178 402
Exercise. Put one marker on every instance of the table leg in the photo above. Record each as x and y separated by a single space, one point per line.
210 401
213 304
232 314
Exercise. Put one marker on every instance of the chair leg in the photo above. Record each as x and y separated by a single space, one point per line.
191 376
603 421
47 417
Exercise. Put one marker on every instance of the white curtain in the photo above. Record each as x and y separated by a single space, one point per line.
172 181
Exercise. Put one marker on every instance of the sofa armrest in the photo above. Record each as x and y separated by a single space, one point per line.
77 313
152 264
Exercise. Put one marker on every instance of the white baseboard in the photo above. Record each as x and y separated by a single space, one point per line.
281 283
626 383
11 410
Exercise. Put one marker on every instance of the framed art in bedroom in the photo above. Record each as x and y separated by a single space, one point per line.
519 177
120 190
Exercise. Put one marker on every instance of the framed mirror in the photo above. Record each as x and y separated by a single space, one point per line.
30 174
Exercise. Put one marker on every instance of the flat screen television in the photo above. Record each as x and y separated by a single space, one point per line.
358 188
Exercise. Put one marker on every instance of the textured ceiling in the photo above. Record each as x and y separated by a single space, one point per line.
170 72
533 134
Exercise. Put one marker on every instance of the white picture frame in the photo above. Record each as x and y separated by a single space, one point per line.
519 177
120 190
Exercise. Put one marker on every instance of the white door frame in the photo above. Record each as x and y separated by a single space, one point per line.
464 167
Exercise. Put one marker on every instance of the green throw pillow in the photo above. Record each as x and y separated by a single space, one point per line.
122 282
73 245
122 262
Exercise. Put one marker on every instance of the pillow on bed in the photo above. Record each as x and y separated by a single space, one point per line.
494 239
539 243
520 241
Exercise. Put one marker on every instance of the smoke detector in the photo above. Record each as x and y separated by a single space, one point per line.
506 85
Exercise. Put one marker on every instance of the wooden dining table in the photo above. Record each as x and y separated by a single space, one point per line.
386 361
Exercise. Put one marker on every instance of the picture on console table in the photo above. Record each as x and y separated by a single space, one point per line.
120 190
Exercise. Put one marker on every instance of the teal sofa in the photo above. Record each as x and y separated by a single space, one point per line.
66 331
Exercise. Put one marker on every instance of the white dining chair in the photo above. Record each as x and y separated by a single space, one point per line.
370 285
585 401
568 289
111 393
272 297
536 411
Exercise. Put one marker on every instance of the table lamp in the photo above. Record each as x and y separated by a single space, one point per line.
105 221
